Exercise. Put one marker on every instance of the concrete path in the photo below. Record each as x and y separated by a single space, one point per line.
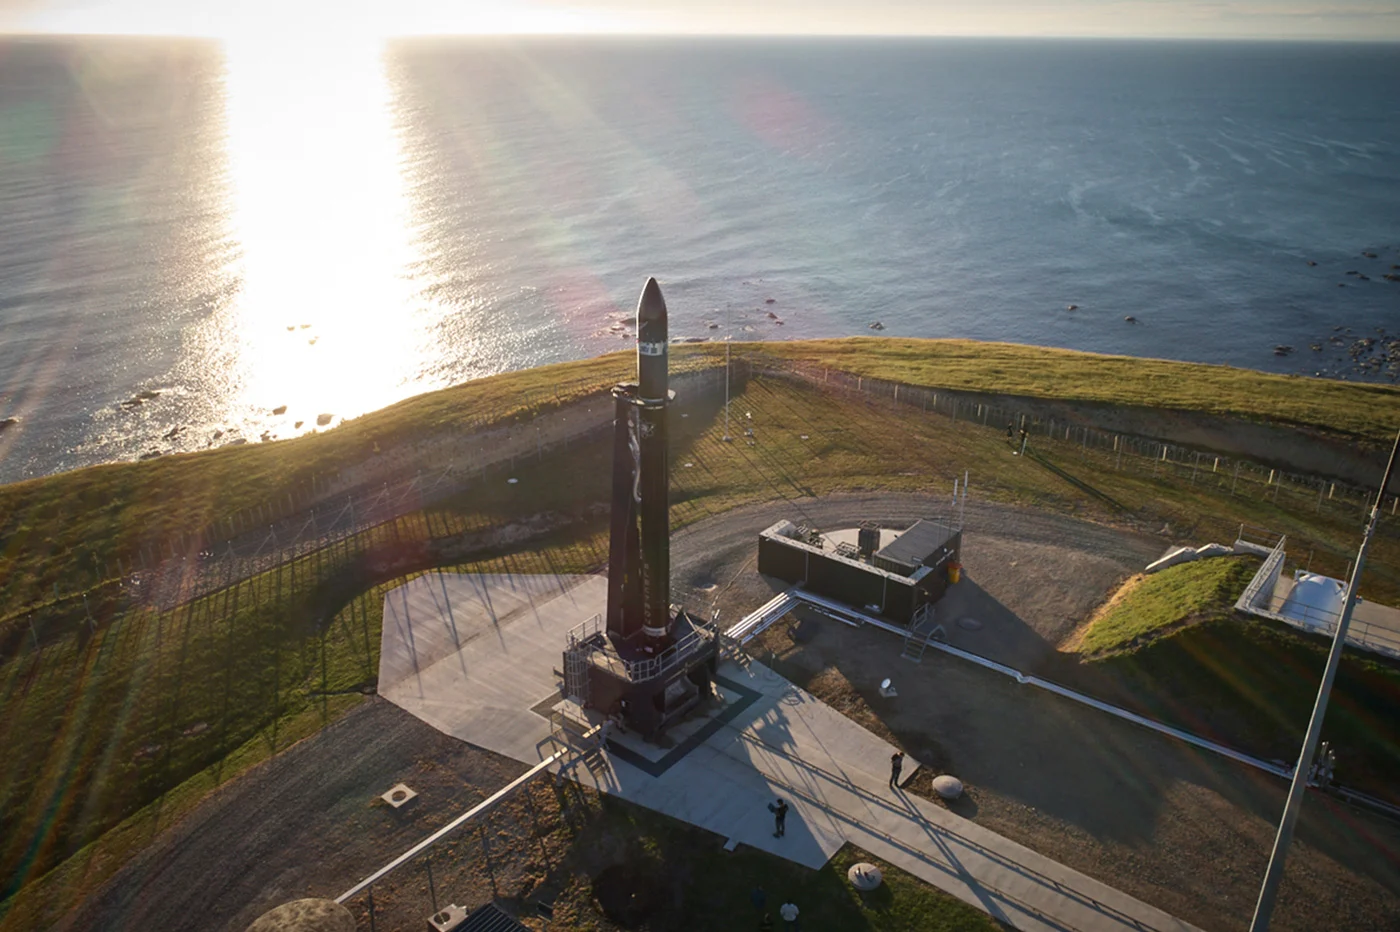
764 738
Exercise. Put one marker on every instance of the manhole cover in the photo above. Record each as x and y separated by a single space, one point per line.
864 877
969 624
399 795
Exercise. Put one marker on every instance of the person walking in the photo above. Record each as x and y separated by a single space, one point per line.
780 811
896 765
789 914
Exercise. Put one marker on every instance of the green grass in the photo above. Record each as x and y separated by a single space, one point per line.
1250 684
1366 412
101 724
1148 606
716 886
63 530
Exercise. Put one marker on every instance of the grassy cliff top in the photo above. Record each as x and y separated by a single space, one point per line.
1366 411
59 529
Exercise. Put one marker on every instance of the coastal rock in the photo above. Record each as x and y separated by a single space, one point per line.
1368 255
1310 262
1391 277
1364 278
1315 347
150 455
291 326
323 419
770 300
714 326
218 434
1282 350
1072 307
8 422
280 409
1130 319
877 326
173 432
772 316
298 424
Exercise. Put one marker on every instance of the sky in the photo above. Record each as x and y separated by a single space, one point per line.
1252 19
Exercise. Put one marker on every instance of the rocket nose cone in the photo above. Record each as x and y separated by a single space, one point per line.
651 307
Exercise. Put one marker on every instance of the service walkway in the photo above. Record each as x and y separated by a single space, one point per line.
763 738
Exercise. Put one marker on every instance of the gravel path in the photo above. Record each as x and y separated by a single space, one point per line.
1075 564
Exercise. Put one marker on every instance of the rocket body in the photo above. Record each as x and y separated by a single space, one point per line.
639 571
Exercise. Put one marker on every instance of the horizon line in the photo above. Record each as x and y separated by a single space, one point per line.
643 35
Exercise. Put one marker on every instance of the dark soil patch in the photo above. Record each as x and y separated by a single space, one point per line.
630 894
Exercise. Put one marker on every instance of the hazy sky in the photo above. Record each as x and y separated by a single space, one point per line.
1319 19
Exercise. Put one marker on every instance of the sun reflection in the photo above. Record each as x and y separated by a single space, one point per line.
326 319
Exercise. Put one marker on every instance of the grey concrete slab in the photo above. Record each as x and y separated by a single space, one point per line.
511 629
473 655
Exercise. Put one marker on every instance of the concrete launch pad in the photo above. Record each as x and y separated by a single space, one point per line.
474 657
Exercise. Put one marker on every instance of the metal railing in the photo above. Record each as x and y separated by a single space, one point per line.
651 667
1260 598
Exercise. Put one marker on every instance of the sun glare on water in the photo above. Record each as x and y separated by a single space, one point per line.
325 319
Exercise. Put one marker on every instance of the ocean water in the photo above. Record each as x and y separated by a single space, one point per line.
193 236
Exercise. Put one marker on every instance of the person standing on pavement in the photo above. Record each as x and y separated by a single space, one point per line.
896 765
789 914
780 811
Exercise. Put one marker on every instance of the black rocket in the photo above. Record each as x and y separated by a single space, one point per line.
639 577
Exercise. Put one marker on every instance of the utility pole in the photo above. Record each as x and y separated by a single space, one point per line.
728 333
1268 893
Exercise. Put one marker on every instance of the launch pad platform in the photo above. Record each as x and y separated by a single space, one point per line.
474 656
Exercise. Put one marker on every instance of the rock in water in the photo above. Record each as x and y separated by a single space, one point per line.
323 419
280 409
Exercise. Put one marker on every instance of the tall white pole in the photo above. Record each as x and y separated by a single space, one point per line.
728 332
1268 893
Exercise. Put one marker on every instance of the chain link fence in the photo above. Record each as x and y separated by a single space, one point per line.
1120 451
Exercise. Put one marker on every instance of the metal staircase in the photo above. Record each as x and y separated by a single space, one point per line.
920 632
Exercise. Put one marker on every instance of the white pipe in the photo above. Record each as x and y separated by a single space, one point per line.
467 816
